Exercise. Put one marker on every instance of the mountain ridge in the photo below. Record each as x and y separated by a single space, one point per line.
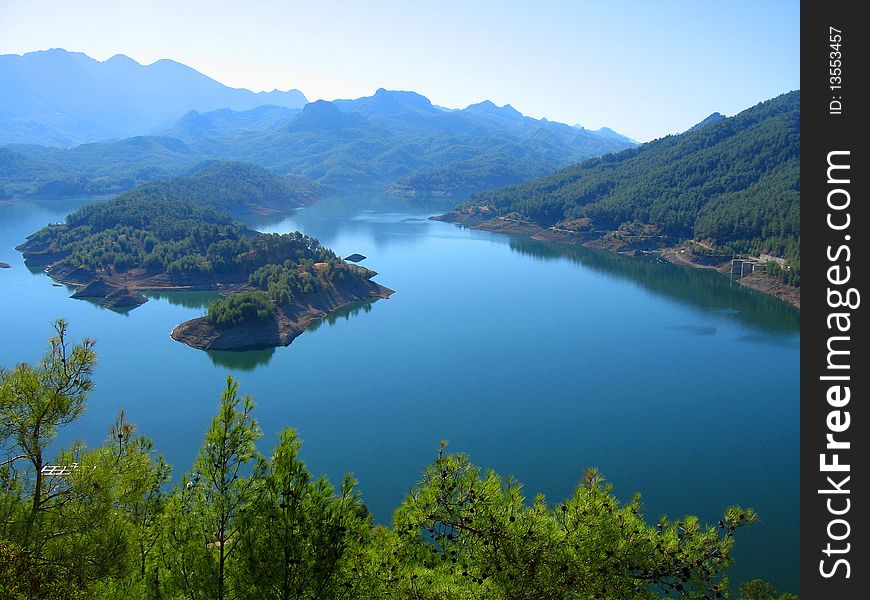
733 184
110 99
139 123
393 139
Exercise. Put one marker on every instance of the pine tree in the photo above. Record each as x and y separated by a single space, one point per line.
205 517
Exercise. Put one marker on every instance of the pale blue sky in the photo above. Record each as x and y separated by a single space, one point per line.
644 68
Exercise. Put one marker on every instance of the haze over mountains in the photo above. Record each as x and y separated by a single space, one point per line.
61 98
175 118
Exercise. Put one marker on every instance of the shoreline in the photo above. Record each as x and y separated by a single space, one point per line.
123 291
612 242
289 321
120 289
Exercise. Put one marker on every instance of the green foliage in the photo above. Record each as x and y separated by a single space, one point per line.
134 231
244 526
299 533
96 521
34 403
245 307
206 515
114 167
791 274
93 169
143 230
235 187
291 278
589 546
735 181
22 579
507 162
758 589
150 235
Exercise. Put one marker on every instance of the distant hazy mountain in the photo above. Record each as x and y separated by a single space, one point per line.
607 132
393 110
224 122
399 139
61 98
391 139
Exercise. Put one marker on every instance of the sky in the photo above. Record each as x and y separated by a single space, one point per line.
643 68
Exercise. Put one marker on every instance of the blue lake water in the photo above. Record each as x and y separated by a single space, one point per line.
538 360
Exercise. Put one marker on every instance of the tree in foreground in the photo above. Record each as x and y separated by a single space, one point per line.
758 589
80 519
243 526
34 403
483 531
298 531
205 518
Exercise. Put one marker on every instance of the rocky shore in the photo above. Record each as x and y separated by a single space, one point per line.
615 241
288 322
123 291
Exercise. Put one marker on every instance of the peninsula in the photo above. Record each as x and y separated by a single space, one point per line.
274 285
727 188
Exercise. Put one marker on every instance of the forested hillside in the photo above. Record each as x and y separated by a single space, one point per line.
734 182
145 230
235 187
93 169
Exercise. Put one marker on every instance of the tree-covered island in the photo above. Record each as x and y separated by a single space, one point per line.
274 285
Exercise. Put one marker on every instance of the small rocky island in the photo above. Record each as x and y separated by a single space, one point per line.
110 295
278 325
273 285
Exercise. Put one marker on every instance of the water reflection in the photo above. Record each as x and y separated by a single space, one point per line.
606 380
185 299
704 289
247 360
118 310
385 220
346 312
696 329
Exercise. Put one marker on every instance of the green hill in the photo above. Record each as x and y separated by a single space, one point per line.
734 182
178 225
235 187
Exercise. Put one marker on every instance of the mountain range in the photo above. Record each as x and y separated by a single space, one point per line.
733 182
61 98
393 139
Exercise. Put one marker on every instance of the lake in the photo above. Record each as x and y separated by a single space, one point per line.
538 360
